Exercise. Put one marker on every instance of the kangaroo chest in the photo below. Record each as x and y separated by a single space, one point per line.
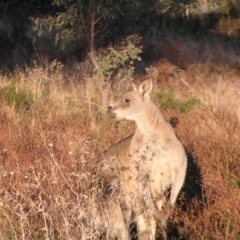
143 148
149 165
146 152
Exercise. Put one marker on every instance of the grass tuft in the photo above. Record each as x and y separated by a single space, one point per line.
19 99
166 100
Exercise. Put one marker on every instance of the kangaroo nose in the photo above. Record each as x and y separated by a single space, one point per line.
109 109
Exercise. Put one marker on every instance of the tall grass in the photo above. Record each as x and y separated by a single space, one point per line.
54 128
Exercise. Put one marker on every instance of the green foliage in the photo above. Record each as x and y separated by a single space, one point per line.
74 19
87 26
166 100
20 99
118 61
188 104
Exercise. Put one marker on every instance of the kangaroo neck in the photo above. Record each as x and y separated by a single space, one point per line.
150 120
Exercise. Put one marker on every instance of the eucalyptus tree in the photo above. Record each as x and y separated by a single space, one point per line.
74 20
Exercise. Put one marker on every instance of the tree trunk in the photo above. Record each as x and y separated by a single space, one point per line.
92 53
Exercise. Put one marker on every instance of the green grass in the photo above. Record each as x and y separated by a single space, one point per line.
20 99
166 100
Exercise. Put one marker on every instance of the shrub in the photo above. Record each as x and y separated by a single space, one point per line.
20 99
118 60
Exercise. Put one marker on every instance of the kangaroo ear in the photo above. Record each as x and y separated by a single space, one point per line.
145 88
135 86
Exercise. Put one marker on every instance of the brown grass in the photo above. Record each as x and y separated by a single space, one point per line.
211 193
49 154
207 69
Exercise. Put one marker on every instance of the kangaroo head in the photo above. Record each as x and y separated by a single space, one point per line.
133 103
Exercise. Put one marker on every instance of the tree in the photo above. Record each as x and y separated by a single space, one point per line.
77 19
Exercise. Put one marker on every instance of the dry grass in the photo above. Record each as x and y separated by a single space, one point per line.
207 69
50 148
212 189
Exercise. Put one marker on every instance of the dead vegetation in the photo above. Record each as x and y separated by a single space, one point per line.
50 146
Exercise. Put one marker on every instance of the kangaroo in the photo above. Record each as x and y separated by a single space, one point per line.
108 218
103 213
151 161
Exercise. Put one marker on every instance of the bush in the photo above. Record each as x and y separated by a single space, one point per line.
19 99
118 61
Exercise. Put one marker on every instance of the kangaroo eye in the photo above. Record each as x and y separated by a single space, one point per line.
126 100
